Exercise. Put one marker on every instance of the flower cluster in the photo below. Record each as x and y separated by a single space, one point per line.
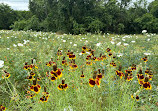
128 74
35 87
96 79
5 75
50 63
31 76
145 59
55 73
30 66
2 108
45 96
63 85
143 81
119 72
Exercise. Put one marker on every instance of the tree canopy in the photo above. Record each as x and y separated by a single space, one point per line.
82 16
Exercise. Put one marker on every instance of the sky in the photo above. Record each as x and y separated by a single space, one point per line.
23 4
17 4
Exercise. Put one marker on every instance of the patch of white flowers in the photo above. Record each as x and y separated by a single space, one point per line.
1 63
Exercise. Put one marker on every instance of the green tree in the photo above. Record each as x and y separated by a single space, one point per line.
7 16
153 8
146 22
23 14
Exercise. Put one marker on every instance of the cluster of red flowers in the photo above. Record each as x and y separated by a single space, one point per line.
64 62
136 97
144 59
128 73
2 108
45 96
91 56
6 74
56 73
63 85
97 76
30 66
144 81
35 87
31 76
50 63
119 72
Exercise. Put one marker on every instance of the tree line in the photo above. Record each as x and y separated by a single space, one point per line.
82 16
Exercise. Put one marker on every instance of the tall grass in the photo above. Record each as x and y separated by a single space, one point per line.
113 94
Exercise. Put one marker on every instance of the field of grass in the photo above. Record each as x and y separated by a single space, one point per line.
96 91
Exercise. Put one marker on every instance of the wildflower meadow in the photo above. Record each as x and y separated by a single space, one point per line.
45 71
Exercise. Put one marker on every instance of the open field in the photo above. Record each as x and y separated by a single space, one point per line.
34 72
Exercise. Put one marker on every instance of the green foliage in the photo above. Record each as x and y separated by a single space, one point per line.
148 22
120 28
83 16
23 15
78 28
7 16
19 25
95 26
32 23
153 8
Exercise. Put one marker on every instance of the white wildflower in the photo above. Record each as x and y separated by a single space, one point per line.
133 41
120 54
1 63
112 42
147 53
14 45
148 39
64 40
75 44
8 48
148 35
118 44
144 31
20 44
123 39
80 53
125 44
98 44
70 42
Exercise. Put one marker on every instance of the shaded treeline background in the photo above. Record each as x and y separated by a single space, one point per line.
81 16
